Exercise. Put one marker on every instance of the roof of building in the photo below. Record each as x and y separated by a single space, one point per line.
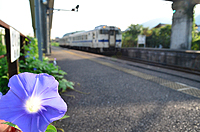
159 25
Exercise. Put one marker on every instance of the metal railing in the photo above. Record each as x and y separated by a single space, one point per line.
13 67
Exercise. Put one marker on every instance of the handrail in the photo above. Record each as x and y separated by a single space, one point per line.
2 56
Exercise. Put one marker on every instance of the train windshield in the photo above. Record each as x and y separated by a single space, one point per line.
118 31
104 31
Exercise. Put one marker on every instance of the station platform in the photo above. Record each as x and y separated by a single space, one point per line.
126 96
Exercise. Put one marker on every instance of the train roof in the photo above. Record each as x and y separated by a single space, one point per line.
80 32
67 34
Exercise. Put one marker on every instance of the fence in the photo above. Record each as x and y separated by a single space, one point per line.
187 59
11 50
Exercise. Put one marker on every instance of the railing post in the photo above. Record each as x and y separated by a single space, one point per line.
13 68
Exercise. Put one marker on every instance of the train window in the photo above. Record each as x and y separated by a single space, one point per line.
103 31
93 35
118 32
111 32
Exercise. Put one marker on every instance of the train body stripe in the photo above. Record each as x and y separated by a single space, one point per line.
119 40
82 41
102 40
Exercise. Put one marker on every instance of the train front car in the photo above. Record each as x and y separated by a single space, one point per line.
110 38
61 42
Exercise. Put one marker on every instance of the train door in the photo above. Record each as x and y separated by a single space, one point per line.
112 38
93 39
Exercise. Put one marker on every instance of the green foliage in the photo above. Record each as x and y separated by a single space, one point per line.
64 84
51 128
196 44
129 38
55 44
159 36
12 125
3 69
195 37
34 65
64 117
154 37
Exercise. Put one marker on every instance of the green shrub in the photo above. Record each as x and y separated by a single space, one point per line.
195 45
3 69
34 65
55 44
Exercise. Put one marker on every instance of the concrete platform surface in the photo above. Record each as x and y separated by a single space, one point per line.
126 97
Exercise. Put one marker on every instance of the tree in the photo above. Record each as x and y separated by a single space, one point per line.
154 37
129 37
164 36
195 36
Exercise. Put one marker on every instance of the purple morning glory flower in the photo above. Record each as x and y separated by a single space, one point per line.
1 95
26 56
32 102
34 69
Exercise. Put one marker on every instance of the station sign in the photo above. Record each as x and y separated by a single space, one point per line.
14 44
141 39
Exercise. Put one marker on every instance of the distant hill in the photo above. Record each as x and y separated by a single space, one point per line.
154 22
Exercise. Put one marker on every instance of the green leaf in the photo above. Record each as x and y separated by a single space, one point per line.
5 77
12 125
51 128
55 72
58 77
70 85
62 85
62 72
64 117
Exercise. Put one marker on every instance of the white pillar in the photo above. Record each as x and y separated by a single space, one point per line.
181 35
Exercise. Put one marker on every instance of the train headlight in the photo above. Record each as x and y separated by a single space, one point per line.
104 26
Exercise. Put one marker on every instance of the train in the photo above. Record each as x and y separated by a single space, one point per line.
101 39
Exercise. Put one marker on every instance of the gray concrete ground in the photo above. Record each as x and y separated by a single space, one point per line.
126 98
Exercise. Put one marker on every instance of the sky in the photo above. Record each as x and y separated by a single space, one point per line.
91 13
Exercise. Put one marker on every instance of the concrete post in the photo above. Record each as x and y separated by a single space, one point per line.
45 28
38 27
48 34
181 36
